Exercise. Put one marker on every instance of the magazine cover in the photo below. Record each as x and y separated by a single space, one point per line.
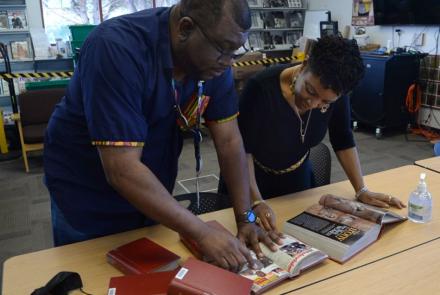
17 20
267 273
4 21
20 50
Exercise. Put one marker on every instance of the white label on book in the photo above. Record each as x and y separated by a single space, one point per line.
112 291
181 274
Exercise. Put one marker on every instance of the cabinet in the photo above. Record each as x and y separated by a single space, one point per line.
379 98
276 24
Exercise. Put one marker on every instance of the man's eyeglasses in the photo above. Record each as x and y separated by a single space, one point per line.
218 48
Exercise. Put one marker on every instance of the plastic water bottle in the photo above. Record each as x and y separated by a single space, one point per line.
420 203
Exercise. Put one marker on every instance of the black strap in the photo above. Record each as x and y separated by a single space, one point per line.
61 284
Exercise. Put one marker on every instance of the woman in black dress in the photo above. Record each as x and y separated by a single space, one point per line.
285 110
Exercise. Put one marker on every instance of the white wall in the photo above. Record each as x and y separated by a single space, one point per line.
34 13
342 9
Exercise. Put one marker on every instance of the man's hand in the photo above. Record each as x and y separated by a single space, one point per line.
380 200
224 250
251 234
267 220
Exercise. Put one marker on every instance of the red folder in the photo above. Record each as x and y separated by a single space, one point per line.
142 256
155 283
197 277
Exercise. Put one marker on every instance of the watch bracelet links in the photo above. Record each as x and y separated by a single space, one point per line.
361 191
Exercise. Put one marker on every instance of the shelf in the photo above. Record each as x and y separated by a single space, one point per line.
12 5
277 8
276 49
40 65
276 29
13 32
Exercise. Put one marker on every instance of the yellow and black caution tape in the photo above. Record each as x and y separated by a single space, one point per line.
265 61
37 75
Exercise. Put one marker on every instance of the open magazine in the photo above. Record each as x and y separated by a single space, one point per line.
288 261
340 227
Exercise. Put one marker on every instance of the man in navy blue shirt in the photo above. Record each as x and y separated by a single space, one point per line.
113 143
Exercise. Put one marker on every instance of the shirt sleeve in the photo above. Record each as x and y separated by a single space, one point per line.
249 118
340 133
111 83
223 103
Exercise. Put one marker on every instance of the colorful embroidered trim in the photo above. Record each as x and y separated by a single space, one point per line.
118 143
234 116
190 111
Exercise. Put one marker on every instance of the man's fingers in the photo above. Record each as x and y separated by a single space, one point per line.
221 262
234 265
247 257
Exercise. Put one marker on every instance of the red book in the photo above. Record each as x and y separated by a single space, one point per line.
198 277
192 245
155 283
142 256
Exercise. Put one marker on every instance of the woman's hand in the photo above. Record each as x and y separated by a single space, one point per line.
380 200
267 220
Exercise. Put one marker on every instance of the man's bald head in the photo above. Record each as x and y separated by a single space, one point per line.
209 12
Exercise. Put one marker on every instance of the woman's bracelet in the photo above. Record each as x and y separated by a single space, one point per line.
360 192
256 203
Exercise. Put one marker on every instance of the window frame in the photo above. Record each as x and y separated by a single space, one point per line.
99 5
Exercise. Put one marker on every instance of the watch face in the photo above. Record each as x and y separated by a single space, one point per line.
251 217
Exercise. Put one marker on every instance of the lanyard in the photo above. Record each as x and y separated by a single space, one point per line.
197 134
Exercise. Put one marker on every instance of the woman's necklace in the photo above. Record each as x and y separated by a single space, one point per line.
302 128
303 131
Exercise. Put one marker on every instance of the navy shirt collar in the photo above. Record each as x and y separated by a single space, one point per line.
164 39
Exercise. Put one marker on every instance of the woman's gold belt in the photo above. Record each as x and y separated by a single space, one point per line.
282 171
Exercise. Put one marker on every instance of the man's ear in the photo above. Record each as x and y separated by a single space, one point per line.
185 27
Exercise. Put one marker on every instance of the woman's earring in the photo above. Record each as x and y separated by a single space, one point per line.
324 108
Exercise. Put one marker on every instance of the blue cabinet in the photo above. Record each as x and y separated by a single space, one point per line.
379 98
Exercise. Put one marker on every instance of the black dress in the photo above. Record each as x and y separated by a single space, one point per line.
271 133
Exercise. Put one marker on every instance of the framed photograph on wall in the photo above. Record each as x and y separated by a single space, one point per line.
4 20
17 20
20 50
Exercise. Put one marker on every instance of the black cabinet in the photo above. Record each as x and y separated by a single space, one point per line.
379 99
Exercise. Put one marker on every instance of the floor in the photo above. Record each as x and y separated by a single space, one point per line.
24 202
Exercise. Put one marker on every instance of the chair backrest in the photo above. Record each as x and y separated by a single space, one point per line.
36 106
321 161
208 202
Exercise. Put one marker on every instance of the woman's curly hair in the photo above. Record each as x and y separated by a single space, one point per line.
337 62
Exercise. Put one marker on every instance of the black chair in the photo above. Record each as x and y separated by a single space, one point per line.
320 159
208 202
321 164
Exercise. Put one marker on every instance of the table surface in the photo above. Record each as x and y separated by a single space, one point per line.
24 273
430 163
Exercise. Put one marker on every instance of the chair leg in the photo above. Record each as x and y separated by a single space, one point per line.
25 159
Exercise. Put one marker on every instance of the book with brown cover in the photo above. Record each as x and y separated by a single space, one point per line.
197 277
155 283
142 256
340 227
